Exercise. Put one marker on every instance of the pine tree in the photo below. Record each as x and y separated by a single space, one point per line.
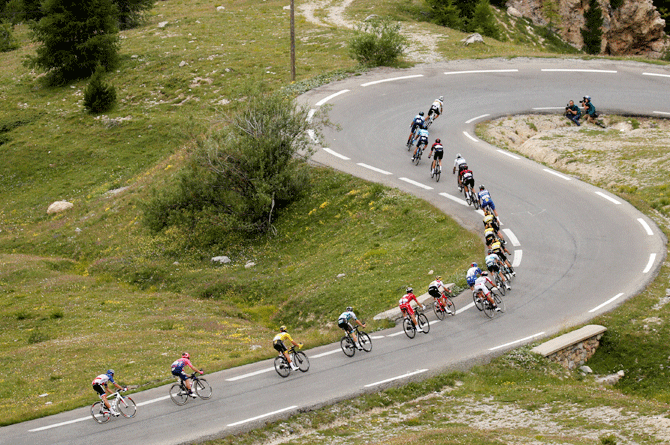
446 13
131 12
483 21
592 32
76 36
99 97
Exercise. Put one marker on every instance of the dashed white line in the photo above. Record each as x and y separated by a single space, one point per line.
470 137
521 340
375 169
607 197
418 184
557 174
376 337
149 402
396 334
509 154
455 199
465 308
312 136
662 112
548 108
480 211
390 80
251 374
475 118
656 74
650 264
263 416
617 296
518 254
381 382
578 70
645 226
336 154
481 71
326 99
310 115
55 425
512 237
323 354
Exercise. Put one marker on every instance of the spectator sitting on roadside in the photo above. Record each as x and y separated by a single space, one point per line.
589 110
573 112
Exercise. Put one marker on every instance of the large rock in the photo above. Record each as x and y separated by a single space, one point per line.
59 206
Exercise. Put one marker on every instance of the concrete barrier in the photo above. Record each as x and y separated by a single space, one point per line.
574 348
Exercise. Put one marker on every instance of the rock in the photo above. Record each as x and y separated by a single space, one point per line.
473 38
176 263
341 275
249 265
134 56
371 17
221 259
254 347
514 12
220 8
182 64
43 395
430 272
611 379
77 230
59 206
620 373
586 369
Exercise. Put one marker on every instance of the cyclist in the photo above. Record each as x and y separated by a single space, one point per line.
500 250
482 289
177 369
344 322
439 152
436 108
422 141
417 122
490 220
100 386
489 236
460 164
485 201
278 343
436 288
472 274
406 307
467 180
493 265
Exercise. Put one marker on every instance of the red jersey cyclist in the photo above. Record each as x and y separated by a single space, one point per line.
100 386
406 307
178 371
439 152
278 343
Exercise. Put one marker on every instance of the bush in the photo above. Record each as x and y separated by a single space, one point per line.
99 97
377 42
483 21
445 13
7 40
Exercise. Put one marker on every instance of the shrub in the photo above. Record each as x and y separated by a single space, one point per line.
377 42
592 32
483 20
7 40
445 13
99 97
37 336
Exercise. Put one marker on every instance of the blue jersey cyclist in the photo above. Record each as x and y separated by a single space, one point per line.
417 122
422 141
344 322
177 368
100 386
472 274
485 201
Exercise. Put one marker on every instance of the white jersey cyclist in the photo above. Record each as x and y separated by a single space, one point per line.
481 285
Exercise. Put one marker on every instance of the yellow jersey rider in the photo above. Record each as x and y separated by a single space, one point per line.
278 343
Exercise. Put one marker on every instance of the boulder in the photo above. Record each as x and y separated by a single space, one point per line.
473 38
514 12
221 259
59 206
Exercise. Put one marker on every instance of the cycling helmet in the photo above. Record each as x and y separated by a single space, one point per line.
282 328
186 355
458 156
490 252
420 113
484 273
110 372
587 97
473 265
349 309
409 290
437 141
441 98
481 187
438 277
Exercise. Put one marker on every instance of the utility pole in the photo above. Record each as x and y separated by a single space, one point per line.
292 42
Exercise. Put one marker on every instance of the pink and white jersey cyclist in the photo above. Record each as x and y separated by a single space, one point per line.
178 370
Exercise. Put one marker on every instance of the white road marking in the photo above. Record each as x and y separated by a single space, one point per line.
326 99
607 302
336 154
481 71
578 70
661 112
149 402
418 184
310 115
470 137
557 174
646 226
512 237
480 211
521 340
55 425
376 337
465 308
453 198
396 378
391 80
548 108
607 197
263 415
656 74
396 334
475 118
378 170
251 374
508 154
323 354
652 258
518 254
312 136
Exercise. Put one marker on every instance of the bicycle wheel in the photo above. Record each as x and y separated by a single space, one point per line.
408 327
500 284
178 395
282 367
423 322
438 172
499 302
301 360
439 310
348 347
475 201
489 310
100 413
202 388
467 196
417 158
126 406
478 303
451 306
365 341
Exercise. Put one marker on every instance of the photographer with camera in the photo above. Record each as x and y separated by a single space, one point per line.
573 113
589 110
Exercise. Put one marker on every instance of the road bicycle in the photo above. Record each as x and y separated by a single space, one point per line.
443 306
429 121
470 197
483 304
122 405
436 172
297 357
500 284
417 157
180 394
408 325
349 346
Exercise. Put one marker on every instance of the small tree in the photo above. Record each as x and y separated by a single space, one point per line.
76 36
551 14
99 97
592 32
483 20
7 40
131 12
446 13
377 42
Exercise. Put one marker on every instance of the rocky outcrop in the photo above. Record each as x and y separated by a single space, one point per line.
635 28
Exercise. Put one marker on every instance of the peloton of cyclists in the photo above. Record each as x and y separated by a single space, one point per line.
482 287
177 369
417 123
406 307
344 322
438 149
436 108
100 386
435 290
422 140
278 344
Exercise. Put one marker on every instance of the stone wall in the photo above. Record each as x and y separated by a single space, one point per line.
576 355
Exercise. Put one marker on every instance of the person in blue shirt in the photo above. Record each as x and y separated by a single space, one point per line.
485 201
472 274
344 322
417 123
422 141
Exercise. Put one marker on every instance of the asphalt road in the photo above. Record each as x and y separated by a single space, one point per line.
579 250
